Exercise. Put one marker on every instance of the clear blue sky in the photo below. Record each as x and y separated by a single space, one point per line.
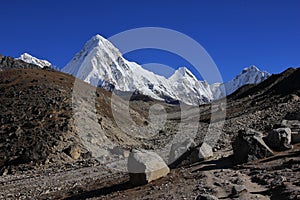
236 33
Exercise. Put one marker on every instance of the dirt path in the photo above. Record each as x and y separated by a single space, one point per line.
215 177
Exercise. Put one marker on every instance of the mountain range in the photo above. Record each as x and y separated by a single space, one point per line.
101 64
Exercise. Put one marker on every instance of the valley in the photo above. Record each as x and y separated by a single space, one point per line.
55 144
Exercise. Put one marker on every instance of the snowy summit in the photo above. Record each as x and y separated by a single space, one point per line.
33 60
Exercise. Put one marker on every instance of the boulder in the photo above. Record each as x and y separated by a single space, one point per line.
179 150
73 151
249 145
188 153
145 166
280 139
205 152
238 189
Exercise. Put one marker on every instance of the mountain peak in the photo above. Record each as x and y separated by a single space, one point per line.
252 68
100 41
26 57
98 49
183 72
250 75
96 40
99 37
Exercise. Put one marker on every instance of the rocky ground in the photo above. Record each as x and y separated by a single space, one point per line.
45 154
272 178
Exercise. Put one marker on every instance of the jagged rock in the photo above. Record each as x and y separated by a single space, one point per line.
190 153
205 152
206 197
145 166
178 150
73 151
249 145
238 189
278 181
279 139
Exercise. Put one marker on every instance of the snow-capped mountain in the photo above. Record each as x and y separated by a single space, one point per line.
101 64
33 60
189 88
250 75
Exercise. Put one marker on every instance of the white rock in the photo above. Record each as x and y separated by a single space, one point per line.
145 166
294 125
205 151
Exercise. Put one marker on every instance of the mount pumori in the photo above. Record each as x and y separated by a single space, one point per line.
101 64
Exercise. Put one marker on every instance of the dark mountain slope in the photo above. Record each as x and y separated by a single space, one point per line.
35 113
278 84
37 119
7 62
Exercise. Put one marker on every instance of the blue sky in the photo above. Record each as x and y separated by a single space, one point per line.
236 33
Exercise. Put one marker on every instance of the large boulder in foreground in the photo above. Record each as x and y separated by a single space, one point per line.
280 139
249 145
145 166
